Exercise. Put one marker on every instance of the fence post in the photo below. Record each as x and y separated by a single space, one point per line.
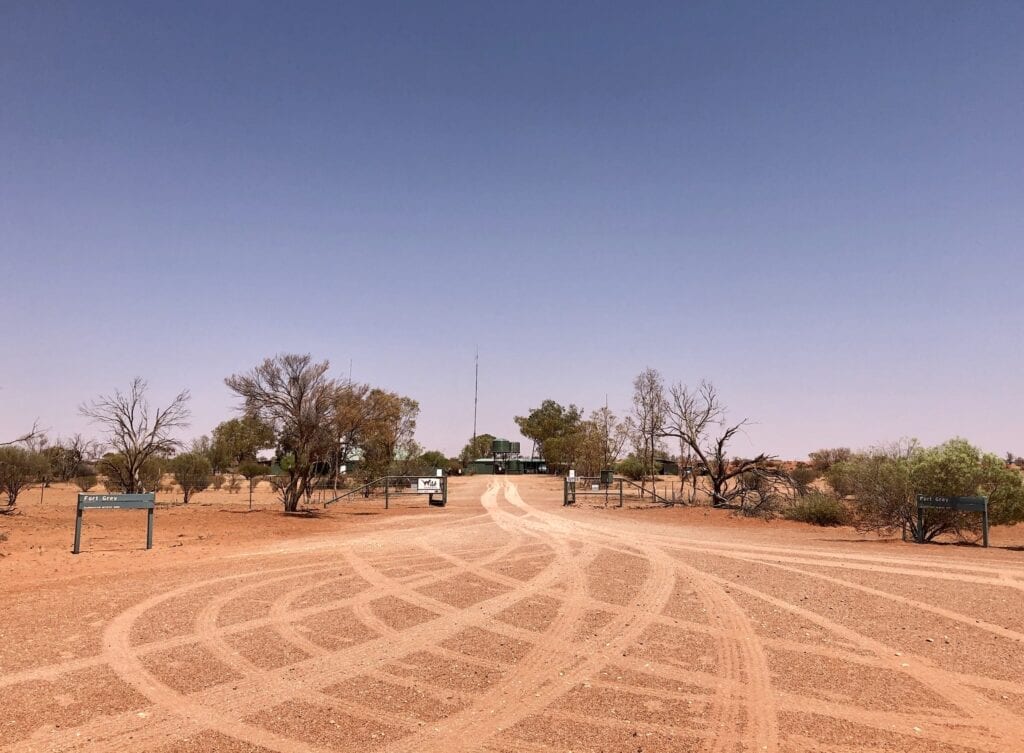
387 498
984 523
620 492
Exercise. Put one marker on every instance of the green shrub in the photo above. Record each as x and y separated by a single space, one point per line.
818 509
631 467
192 473
18 469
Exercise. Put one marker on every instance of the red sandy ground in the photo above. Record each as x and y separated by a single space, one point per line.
503 622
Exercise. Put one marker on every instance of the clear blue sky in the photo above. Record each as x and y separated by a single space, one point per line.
819 206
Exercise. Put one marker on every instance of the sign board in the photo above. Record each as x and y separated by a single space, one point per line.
428 485
968 504
958 504
116 501
145 502
572 474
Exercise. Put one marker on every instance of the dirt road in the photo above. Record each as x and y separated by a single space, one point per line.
507 623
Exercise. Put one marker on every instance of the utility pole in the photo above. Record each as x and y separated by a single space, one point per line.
476 393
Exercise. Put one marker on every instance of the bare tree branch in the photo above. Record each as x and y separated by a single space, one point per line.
27 437
134 432
697 419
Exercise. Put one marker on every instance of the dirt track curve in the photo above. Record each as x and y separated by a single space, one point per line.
505 623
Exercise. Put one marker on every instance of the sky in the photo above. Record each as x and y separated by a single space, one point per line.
818 206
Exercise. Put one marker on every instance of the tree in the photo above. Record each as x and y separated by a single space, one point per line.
252 472
697 419
191 471
239 439
136 433
293 395
547 422
389 430
353 410
565 451
217 454
476 448
67 457
823 459
648 419
435 459
19 468
118 478
885 481
613 433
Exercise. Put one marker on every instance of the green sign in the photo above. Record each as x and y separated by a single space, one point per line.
116 501
968 504
957 504
145 502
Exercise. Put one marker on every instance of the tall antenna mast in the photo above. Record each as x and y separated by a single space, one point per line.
476 391
607 438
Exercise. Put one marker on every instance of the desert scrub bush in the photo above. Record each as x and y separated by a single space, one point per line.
18 469
631 467
803 477
817 509
86 482
191 471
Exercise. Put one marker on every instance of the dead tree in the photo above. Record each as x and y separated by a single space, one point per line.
649 409
697 419
134 432
27 438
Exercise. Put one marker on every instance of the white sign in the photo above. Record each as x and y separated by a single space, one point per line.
428 485
572 474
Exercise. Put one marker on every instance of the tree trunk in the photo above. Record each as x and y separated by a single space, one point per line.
292 494
717 489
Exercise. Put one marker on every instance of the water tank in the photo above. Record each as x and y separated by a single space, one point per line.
501 445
